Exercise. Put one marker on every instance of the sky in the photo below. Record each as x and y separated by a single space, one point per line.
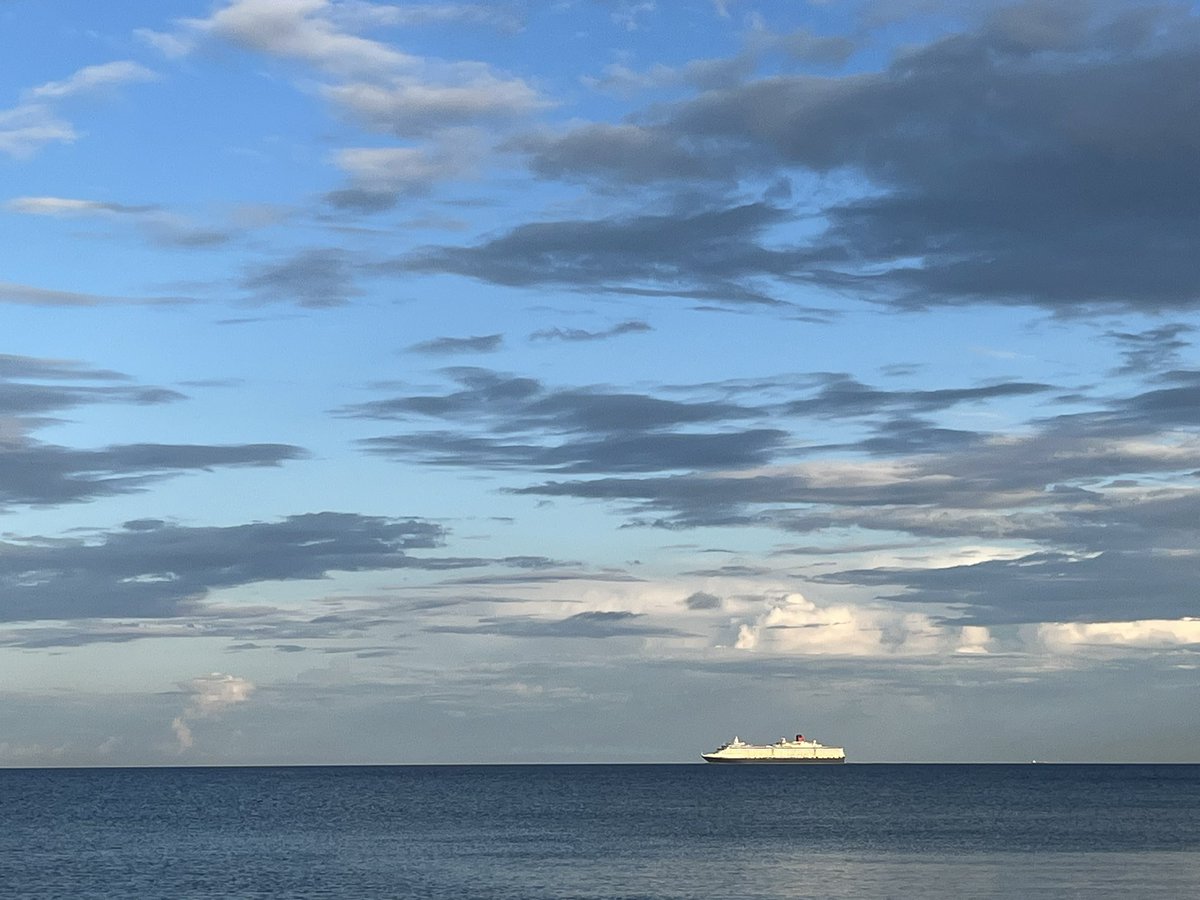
594 380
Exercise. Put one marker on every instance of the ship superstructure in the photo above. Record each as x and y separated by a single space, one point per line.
800 750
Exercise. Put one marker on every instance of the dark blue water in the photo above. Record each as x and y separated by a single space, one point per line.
649 832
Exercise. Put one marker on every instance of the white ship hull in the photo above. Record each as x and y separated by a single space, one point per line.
773 760
782 752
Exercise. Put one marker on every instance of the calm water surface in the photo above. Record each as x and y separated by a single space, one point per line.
652 832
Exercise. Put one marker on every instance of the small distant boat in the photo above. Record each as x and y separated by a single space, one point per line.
802 751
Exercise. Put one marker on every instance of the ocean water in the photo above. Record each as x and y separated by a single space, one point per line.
652 832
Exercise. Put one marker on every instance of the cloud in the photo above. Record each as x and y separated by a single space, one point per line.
301 30
596 149
156 569
40 474
1084 516
159 225
410 15
407 108
712 255
504 421
760 47
209 697
579 334
1075 637
1152 350
998 164
702 600
34 122
517 422
592 624
29 367
316 278
484 343
441 105
628 14
92 78
796 625
841 395
380 176
1048 586
65 206
32 295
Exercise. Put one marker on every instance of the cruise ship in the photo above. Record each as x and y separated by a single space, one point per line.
802 751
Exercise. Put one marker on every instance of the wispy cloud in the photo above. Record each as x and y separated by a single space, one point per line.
159 225
580 334
518 422
441 105
36 121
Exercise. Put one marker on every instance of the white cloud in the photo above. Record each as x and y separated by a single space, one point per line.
301 29
1074 637
410 169
413 106
209 696
26 129
92 78
627 14
375 84
33 123
63 206
974 640
160 226
172 46
796 625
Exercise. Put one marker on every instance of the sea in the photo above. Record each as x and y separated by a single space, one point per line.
585 832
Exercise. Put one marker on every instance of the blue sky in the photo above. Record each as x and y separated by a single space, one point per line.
589 381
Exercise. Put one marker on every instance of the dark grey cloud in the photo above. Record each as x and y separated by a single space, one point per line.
1011 486
52 369
581 625
841 395
1152 350
580 334
638 154
159 569
21 394
188 237
250 628
485 343
903 435
702 600
314 278
38 474
33 391
632 453
1095 503
505 421
1044 156
713 254
362 200
1176 404
1048 586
